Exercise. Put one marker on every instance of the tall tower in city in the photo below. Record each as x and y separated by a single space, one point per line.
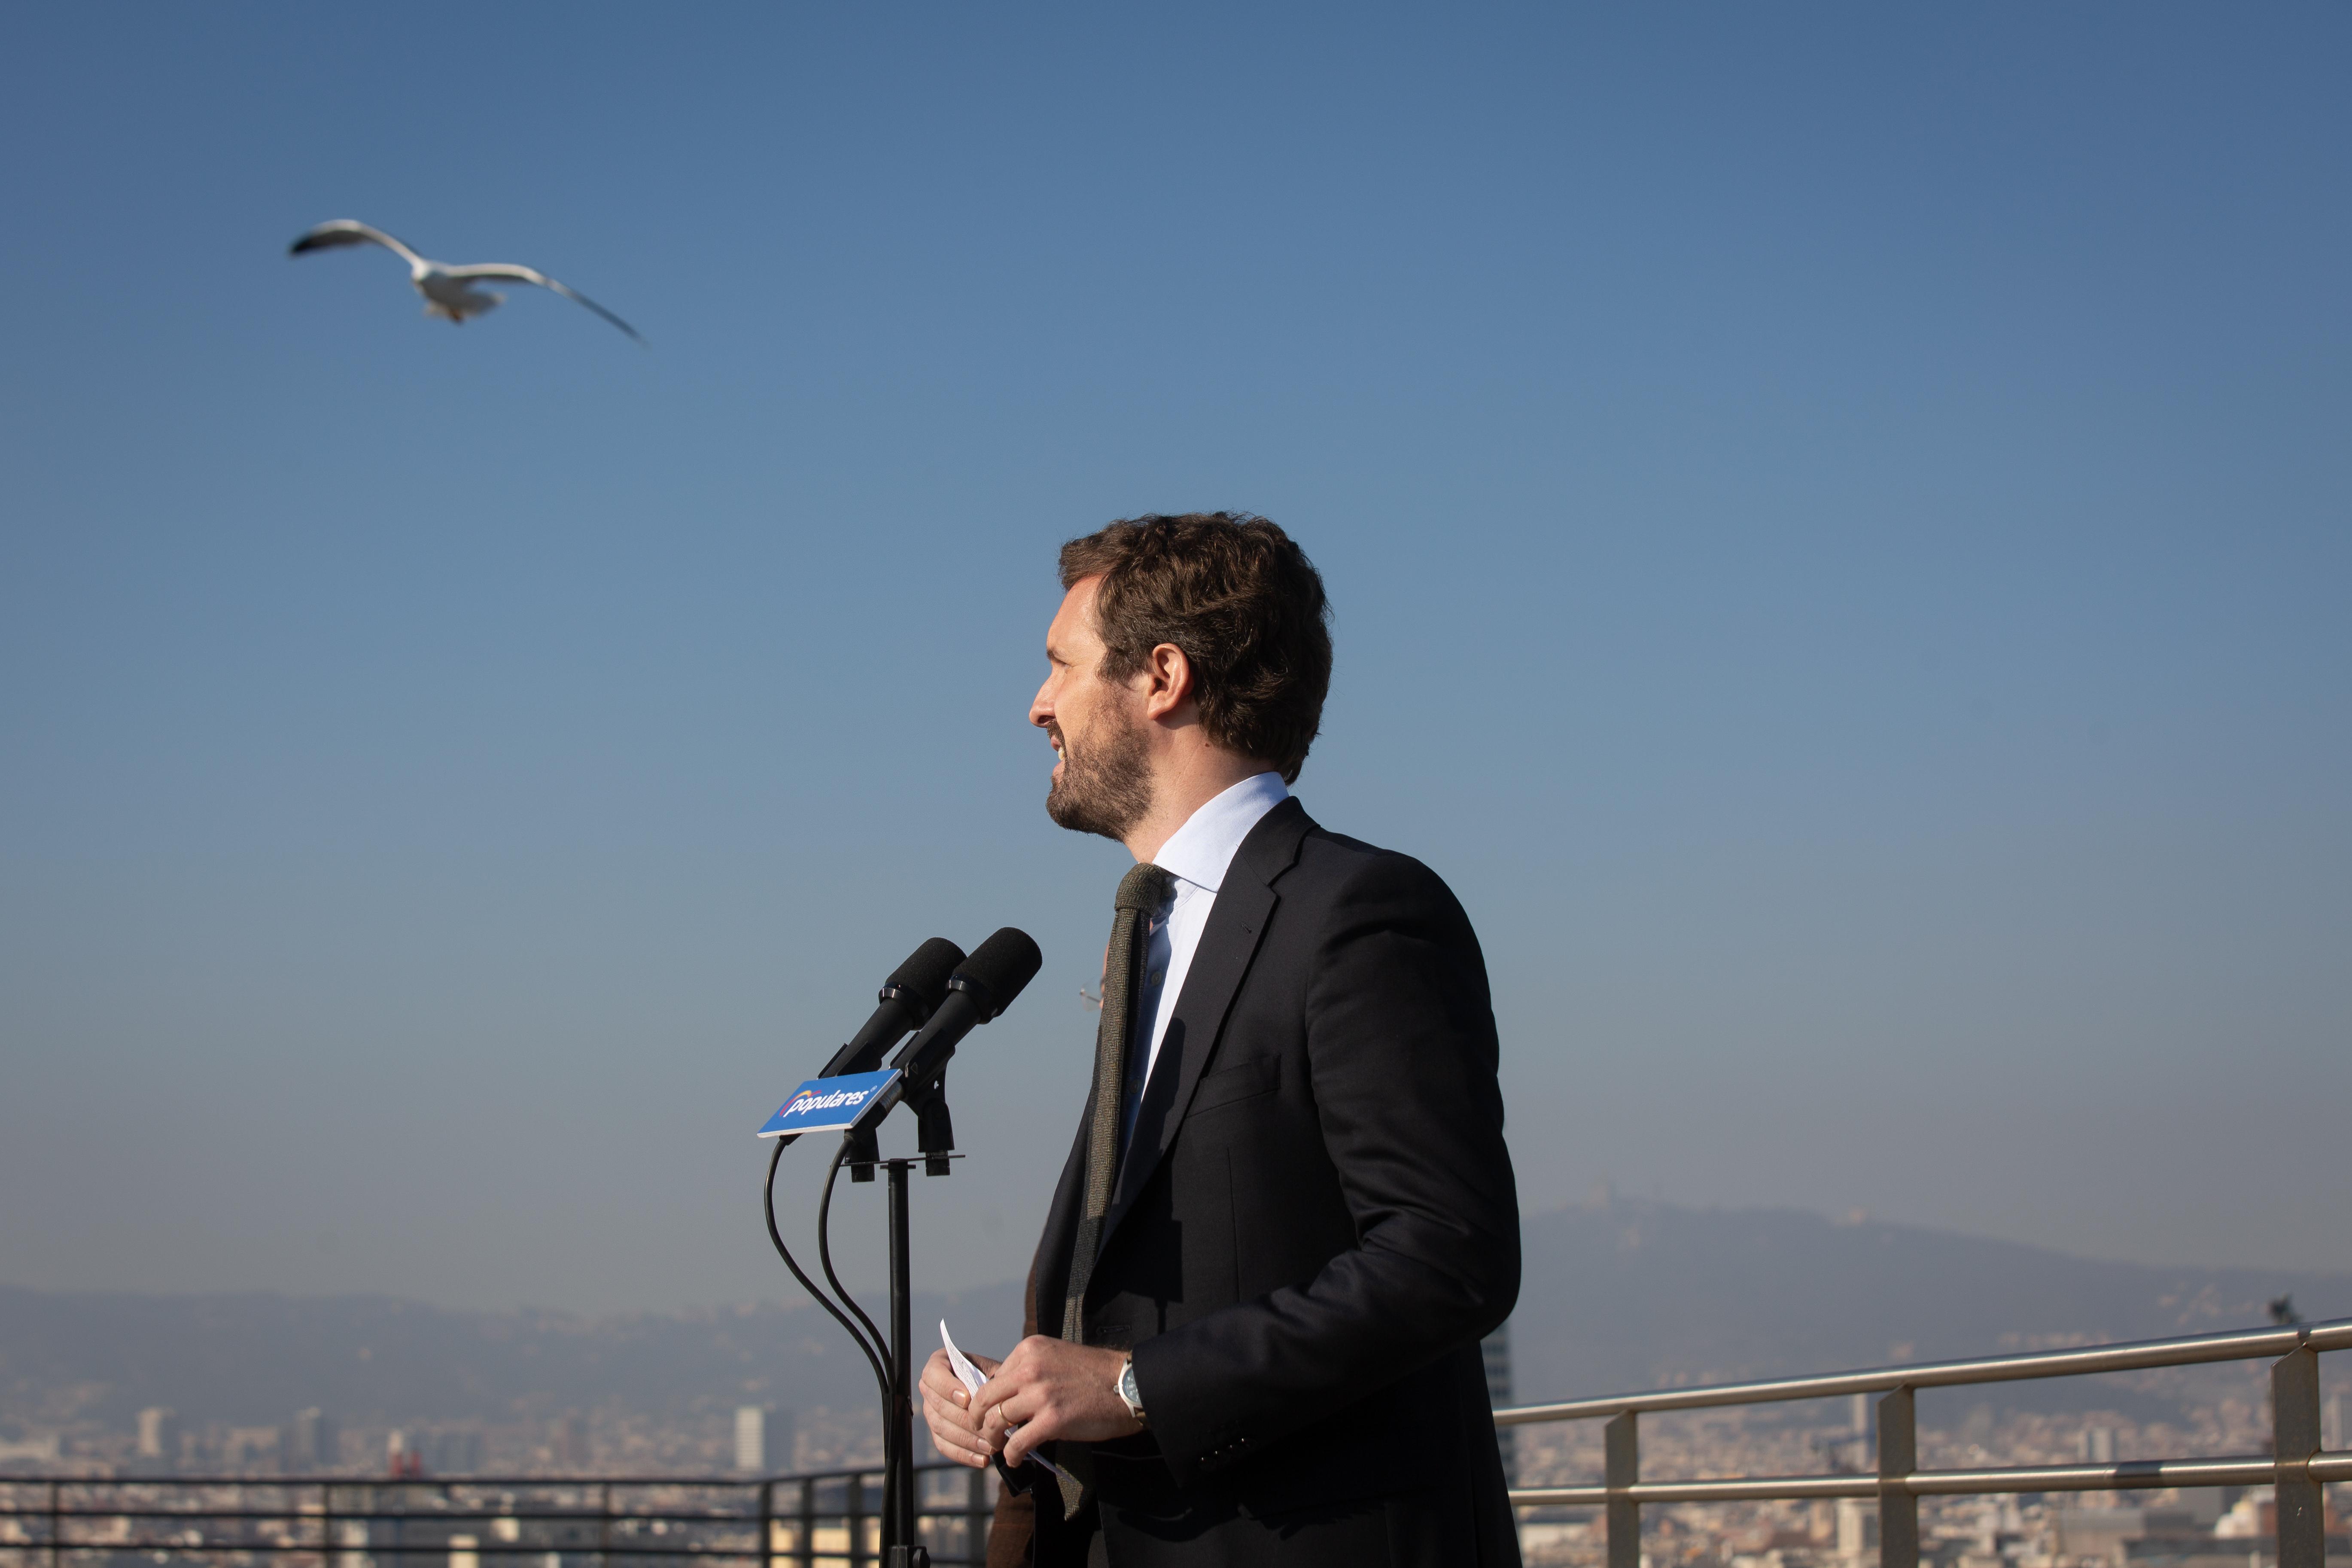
310 1441
158 1433
567 1443
750 1439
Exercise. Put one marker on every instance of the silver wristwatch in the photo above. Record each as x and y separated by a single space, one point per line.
1129 1393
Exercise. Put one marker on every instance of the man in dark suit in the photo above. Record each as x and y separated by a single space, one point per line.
1288 1216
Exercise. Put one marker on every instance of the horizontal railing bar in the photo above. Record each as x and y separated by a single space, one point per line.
485 1549
447 1515
956 1509
1560 1497
434 1519
434 1549
2137 1476
2131 1476
961 1510
1743 1489
824 1522
2245 1345
1740 1489
386 1483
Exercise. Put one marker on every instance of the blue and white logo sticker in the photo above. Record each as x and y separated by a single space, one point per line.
828 1104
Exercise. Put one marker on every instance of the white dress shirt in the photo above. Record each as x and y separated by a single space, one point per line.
1197 857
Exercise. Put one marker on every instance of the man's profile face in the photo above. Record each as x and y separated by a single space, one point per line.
1102 775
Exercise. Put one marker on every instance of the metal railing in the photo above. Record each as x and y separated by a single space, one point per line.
825 1519
832 1519
2298 1467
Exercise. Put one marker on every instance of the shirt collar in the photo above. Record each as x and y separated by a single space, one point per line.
1201 849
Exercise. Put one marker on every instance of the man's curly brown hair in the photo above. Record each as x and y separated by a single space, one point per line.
1242 600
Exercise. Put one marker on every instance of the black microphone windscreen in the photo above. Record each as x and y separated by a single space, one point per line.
1002 966
927 971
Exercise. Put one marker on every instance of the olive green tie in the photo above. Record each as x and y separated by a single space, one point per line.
1141 893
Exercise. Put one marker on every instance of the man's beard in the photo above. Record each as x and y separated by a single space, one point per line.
1107 787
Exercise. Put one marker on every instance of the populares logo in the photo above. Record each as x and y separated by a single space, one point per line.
827 1104
804 1102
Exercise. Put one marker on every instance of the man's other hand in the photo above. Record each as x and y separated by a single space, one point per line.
1051 1389
955 1426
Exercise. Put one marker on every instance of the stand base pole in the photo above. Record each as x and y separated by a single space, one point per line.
898 1523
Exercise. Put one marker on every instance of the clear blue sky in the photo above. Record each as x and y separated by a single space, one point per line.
1837 520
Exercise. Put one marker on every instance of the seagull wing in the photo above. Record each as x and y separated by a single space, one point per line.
345 231
501 272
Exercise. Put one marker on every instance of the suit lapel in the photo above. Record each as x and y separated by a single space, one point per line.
1052 1264
1237 922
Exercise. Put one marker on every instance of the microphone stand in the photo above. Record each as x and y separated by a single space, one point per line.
935 1140
981 987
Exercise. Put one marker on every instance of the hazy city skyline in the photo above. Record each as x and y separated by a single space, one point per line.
1835 518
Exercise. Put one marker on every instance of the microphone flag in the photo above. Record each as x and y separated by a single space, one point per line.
829 1104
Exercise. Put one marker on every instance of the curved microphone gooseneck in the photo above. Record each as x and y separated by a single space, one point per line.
824 1258
881 1376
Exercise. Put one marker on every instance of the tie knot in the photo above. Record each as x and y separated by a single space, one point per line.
1146 887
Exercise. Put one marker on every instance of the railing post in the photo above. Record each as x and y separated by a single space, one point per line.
854 1511
605 1525
977 1518
807 1553
1898 1456
2294 1438
1621 1466
767 1524
325 1524
57 1524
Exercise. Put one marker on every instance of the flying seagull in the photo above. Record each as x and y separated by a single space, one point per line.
449 291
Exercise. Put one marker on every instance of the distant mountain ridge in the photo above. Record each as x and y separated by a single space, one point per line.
254 1358
1618 1294
1627 1294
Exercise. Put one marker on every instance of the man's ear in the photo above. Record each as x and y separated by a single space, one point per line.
1168 680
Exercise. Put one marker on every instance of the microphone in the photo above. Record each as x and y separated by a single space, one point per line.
911 995
982 986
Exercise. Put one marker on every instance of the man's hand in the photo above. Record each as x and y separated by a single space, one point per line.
1050 1389
955 1426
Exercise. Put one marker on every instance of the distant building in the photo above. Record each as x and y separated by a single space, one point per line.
158 1433
1495 1348
42 1451
1861 1418
246 1447
310 1441
1857 1533
451 1453
567 1442
750 1439
2119 1536
2253 1517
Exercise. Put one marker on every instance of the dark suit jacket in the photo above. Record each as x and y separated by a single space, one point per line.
1313 1226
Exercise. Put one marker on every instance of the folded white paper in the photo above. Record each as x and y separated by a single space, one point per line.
972 1378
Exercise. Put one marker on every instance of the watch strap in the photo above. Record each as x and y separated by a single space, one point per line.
1129 1394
